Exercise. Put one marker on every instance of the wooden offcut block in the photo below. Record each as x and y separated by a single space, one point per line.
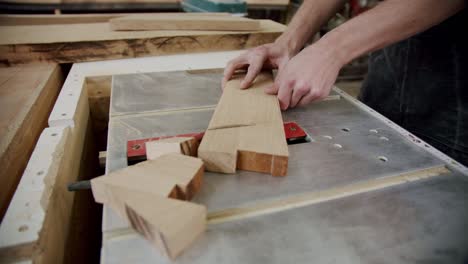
246 131
150 196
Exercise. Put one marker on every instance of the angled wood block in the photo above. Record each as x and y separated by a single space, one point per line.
171 175
182 145
170 225
246 131
146 195
183 22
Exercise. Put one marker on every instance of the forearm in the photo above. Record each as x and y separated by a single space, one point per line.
387 23
307 21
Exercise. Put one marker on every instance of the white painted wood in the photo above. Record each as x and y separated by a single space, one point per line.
26 213
64 112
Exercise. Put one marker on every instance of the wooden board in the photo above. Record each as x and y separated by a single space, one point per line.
246 131
17 20
266 3
182 22
145 194
96 41
27 94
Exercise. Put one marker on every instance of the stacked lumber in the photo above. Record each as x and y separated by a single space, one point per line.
95 40
27 95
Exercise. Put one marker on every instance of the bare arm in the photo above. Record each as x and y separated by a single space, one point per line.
306 22
387 23
311 73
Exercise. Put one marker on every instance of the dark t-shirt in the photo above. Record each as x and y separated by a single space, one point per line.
421 83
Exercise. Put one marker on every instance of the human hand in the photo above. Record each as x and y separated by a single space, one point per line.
268 56
308 76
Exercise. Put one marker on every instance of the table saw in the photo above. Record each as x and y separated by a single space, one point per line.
360 190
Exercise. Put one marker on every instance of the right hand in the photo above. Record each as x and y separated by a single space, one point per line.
268 56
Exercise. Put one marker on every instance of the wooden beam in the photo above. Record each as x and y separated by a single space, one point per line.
145 194
27 94
246 131
96 41
17 20
182 22
266 3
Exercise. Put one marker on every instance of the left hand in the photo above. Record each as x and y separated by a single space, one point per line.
307 77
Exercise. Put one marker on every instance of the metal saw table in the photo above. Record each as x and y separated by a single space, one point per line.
350 196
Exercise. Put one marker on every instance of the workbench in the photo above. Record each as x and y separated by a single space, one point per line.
362 190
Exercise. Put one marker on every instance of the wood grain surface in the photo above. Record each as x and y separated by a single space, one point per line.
27 95
96 41
246 131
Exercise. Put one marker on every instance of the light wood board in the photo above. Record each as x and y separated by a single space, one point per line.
96 41
182 22
58 2
246 131
17 20
27 94
145 194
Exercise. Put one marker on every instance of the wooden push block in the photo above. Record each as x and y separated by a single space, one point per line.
246 131
182 145
147 194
